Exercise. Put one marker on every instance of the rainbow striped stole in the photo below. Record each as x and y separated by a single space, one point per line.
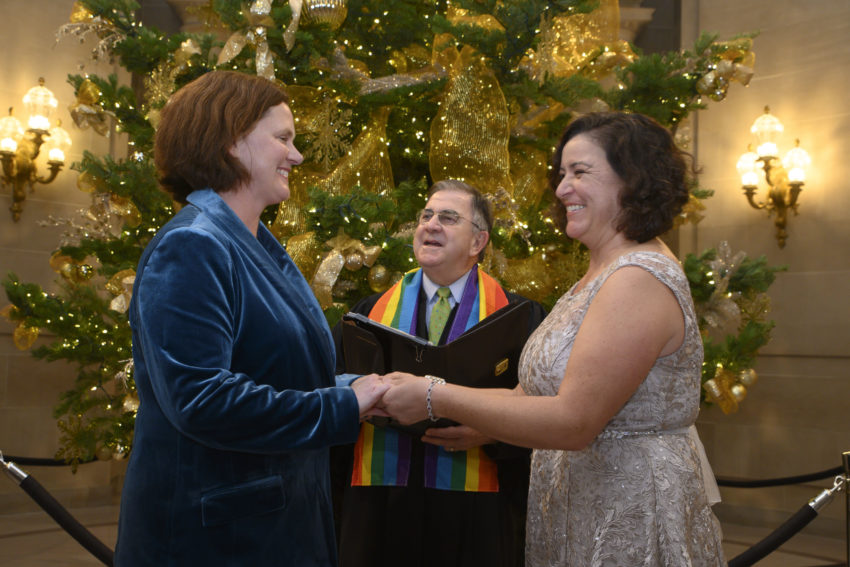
382 455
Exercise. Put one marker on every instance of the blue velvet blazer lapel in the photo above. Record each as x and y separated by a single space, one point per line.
273 260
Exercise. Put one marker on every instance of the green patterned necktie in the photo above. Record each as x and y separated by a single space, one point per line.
439 315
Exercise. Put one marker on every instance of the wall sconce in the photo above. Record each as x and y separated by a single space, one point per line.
19 148
785 180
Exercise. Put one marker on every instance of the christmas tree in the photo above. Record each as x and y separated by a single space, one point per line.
388 97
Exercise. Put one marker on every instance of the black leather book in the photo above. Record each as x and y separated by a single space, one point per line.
485 356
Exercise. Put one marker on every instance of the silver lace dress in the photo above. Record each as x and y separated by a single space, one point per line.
635 495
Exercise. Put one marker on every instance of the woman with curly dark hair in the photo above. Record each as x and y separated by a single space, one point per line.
609 382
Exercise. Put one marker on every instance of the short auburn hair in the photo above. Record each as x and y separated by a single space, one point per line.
199 125
656 174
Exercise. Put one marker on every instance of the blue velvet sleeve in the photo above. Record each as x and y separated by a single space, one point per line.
226 359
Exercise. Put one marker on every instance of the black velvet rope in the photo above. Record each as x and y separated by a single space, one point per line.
70 524
38 462
741 483
783 533
776 538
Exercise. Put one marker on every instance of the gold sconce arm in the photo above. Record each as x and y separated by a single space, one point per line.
784 178
20 148
19 170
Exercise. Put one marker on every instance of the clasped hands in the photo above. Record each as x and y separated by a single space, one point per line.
402 396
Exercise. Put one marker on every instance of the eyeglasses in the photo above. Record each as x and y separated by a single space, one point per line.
446 218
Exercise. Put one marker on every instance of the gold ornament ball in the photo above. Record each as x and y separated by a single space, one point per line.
330 12
83 272
747 377
103 453
354 261
379 278
706 83
739 391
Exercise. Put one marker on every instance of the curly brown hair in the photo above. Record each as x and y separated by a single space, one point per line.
199 125
656 174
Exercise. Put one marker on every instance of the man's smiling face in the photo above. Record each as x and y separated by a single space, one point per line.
447 252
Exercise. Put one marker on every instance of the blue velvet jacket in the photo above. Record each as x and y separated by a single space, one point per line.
234 365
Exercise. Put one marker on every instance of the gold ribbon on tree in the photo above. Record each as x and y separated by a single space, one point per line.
306 251
471 130
259 19
346 252
289 33
580 42
121 286
86 112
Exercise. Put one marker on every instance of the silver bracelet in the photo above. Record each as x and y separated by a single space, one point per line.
434 381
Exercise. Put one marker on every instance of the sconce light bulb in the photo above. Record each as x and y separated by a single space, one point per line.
8 145
767 150
38 122
796 175
56 154
10 132
796 161
750 179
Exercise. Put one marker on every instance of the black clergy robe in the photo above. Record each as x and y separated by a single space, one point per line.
414 526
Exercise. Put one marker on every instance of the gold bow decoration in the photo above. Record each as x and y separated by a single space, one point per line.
734 62
345 252
727 389
718 390
259 19
471 130
105 205
86 110
121 286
